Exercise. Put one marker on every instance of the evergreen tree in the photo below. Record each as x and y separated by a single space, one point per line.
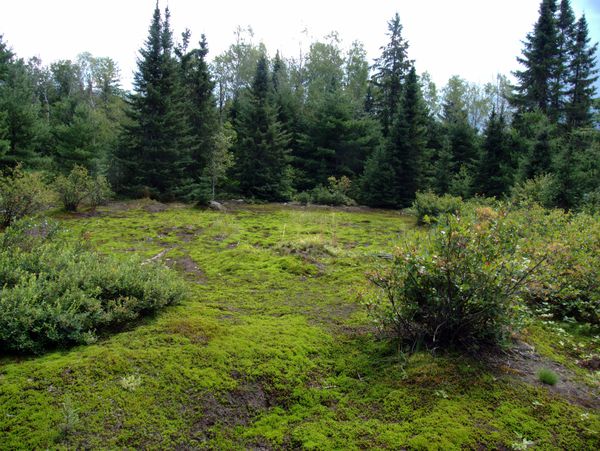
20 126
581 78
565 23
202 115
261 153
493 177
390 70
393 175
540 59
154 151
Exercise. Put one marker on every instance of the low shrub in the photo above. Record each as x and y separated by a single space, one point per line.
79 186
58 293
541 190
568 284
428 206
336 193
455 284
547 376
21 194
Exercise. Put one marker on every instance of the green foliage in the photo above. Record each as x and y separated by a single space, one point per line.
429 207
21 194
541 190
336 193
79 186
566 286
547 376
454 285
58 293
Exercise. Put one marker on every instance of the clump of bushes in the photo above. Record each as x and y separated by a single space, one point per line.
541 190
79 186
455 284
21 194
58 292
335 193
568 284
428 206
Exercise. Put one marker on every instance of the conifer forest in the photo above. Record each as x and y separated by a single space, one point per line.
253 250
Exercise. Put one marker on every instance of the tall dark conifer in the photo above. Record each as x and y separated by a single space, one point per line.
390 70
582 76
540 59
493 176
262 149
155 147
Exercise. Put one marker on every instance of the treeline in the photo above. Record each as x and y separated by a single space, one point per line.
326 126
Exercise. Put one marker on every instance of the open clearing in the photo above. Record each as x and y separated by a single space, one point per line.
273 349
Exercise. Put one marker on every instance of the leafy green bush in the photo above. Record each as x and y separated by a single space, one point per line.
21 194
541 190
336 193
455 284
58 293
79 186
429 206
568 284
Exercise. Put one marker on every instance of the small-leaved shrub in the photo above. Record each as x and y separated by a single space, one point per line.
21 194
455 284
79 186
56 292
335 193
429 206
541 190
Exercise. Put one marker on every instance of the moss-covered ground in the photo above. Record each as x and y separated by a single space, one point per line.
272 350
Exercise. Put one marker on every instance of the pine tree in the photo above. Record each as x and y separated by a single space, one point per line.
581 78
493 177
19 112
202 115
565 23
261 153
154 151
540 59
390 70
393 175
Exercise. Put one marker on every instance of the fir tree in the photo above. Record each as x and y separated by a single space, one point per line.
540 59
581 78
261 153
155 148
390 70
565 23
493 175
202 115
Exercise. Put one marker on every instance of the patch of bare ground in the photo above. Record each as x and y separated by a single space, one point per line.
523 362
188 267
237 407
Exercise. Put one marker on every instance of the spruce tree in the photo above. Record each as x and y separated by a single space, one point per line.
582 70
540 59
390 70
262 148
493 176
155 147
565 24
202 116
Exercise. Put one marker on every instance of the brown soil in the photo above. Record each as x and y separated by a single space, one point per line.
522 362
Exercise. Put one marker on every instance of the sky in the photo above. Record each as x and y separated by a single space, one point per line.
475 39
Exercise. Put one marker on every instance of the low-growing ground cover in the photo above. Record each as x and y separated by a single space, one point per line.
272 349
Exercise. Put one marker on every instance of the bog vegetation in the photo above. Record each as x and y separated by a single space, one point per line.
269 334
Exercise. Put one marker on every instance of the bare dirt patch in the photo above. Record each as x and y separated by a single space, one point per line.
522 362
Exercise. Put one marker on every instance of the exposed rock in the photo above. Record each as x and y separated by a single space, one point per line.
214 205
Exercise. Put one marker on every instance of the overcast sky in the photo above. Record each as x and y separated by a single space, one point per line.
472 38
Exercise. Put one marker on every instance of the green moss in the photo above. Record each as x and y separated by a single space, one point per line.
272 349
